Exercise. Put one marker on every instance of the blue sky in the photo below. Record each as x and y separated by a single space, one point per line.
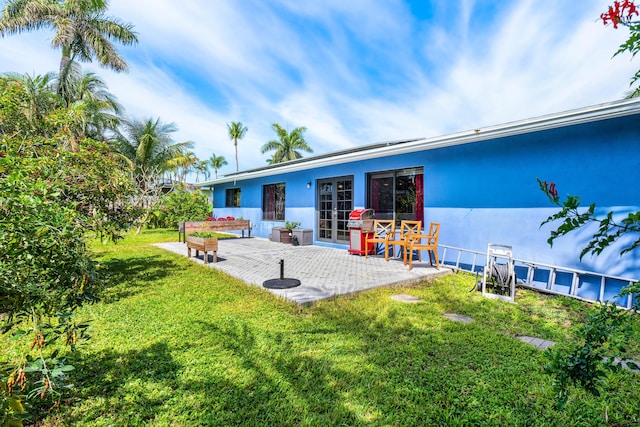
354 72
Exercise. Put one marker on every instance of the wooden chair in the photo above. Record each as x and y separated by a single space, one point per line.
406 228
430 244
383 231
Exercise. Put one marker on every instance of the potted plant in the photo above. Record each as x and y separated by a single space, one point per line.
285 234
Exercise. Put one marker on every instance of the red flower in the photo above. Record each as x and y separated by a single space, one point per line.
619 13
553 192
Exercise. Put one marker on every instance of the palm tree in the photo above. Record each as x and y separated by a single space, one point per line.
271 160
217 162
41 98
183 164
81 86
151 151
87 91
288 146
149 147
236 131
202 167
82 31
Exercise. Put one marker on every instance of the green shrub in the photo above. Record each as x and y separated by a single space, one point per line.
56 187
180 205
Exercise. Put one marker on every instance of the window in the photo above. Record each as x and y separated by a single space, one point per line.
397 194
273 202
233 198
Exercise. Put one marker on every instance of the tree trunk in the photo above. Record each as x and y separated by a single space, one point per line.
144 220
63 75
235 144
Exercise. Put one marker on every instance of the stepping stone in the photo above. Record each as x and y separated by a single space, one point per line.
458 317
537 342
628 364
631 365
406 298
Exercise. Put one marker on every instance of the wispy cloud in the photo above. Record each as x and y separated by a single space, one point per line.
352 72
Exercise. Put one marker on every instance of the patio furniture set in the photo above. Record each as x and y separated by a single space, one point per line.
409 239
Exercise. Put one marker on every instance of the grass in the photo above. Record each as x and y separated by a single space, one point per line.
180 344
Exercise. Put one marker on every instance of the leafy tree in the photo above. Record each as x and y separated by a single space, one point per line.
217 162
82 30
236 131
181 205
288 146
51 199
600 339
622 14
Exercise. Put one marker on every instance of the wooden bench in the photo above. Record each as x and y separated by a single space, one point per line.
206 245
185 228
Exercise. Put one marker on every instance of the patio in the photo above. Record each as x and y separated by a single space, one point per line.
323 272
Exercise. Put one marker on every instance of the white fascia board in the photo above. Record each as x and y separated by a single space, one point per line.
568 118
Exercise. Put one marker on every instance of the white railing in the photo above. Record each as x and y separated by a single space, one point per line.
452 257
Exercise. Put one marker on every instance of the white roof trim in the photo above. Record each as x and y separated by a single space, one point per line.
583 115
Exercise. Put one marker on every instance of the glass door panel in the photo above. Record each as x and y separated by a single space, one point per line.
325 209
335 203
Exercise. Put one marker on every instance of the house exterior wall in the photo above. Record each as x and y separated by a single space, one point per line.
486 191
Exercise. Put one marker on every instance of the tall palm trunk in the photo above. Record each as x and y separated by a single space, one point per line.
235 144
63 79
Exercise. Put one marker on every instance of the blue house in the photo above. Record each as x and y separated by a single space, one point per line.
480 185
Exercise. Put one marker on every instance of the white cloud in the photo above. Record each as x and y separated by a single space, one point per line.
352 72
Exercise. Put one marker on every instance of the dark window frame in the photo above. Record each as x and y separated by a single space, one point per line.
273 201
395 192
232 197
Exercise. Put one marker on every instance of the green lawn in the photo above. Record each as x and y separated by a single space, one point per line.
176 343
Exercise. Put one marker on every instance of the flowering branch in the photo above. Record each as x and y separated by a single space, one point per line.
620 13
609 230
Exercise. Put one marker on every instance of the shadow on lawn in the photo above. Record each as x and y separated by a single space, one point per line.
282 385
250 375
128 276
243 384
129 387
296 378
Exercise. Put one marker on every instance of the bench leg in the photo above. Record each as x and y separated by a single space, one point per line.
205 257
215 256
188 252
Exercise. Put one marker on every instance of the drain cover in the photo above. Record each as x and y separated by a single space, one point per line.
281 283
